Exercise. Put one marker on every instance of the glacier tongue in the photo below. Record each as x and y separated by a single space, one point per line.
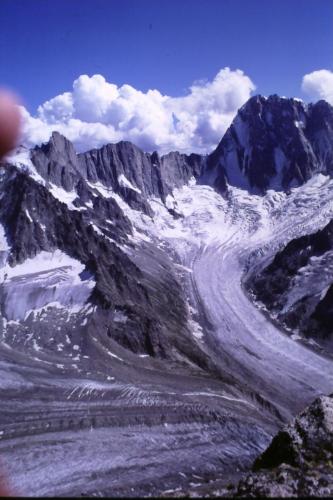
215 238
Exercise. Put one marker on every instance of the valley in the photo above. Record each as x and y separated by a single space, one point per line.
135 359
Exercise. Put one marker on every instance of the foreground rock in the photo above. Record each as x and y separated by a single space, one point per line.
299 460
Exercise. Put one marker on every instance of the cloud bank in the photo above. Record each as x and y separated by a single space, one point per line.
97 112
319 85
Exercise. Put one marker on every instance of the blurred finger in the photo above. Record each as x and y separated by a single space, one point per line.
4 488
10 121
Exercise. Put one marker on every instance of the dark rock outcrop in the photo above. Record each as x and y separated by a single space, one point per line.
299 460
56 161
150 174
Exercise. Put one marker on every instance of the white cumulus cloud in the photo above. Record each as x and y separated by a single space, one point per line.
319 85
96 112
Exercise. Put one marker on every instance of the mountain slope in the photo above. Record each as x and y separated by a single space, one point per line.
62 211
297 286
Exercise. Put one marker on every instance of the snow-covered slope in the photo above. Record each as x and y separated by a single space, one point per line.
49 208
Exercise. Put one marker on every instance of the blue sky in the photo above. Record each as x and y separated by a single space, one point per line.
163 44
52 50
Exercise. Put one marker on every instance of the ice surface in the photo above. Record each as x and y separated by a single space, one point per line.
49 278
214 240
234 174
280 161
242 131
314 278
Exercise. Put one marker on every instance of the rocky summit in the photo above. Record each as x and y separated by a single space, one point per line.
163 317
274 143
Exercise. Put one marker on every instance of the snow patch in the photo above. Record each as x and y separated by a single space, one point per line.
196 329
4 247
28 215
125 183
97 229
299 124
21 159
103 190
66 197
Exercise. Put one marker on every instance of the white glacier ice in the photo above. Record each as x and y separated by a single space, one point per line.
48 279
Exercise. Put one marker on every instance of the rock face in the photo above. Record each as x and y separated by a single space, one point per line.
299 460
122 167
297 286
57 162
273 143
123 164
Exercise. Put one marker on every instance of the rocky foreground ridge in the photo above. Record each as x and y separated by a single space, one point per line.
299 460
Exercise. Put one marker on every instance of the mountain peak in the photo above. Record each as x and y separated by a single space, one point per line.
58 142
274 143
